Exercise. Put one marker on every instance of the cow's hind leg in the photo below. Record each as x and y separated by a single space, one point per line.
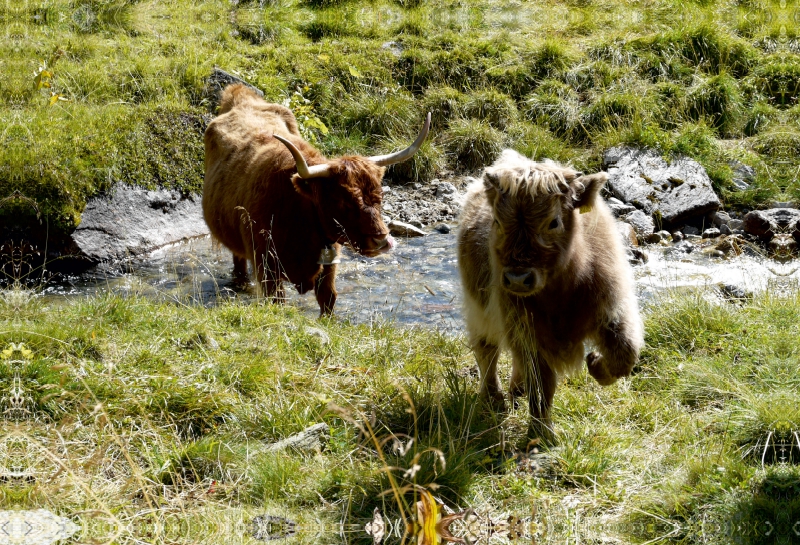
270 280
325 289
487 354
619 344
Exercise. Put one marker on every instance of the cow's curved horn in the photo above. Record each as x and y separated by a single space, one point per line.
305 171
400 156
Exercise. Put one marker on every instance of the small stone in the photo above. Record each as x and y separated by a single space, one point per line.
445 188
725 230
692 237
682 247
637 256
654 238
641 223
627 233
400 229
720 218
665 235
388 207
691 230
735 224
416 223
310 440
712 232
734 292
323 337
386 189
677 236
442 228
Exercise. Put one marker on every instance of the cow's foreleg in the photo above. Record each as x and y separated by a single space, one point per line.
619 344
487 354
325 289
239 269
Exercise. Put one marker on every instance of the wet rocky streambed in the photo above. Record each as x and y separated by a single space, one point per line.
417 283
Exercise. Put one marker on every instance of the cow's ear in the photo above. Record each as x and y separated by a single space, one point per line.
303 186
585 190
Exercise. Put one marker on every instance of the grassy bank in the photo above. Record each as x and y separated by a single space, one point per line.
127 409
106 92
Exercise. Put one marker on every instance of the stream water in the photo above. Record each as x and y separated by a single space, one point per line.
416 284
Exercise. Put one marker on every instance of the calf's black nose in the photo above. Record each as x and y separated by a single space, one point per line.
518 281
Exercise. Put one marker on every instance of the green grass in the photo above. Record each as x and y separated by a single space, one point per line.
589 77
182 399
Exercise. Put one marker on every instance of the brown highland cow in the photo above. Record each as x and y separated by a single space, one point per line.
543 270
274 200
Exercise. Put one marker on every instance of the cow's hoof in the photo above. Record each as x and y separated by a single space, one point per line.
495 401
542 432
597 369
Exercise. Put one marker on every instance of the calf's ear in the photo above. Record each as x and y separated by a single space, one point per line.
585 190
303 186
491 183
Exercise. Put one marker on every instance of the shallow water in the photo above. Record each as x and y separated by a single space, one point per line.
416 284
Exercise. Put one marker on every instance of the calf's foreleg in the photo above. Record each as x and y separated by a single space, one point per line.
619 343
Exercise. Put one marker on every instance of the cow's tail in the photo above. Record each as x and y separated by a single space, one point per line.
234 94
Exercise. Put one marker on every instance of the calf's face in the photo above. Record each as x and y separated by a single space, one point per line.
349 205
534 221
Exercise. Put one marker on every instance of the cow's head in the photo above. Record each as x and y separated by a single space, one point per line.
347 192
535 208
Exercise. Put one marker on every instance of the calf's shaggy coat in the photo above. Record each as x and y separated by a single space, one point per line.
274 200
544 270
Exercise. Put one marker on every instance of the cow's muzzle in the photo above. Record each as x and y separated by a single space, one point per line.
521 281
378 245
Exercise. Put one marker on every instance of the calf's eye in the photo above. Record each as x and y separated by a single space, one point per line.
554 224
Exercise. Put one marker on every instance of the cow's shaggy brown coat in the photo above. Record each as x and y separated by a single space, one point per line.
256 205
540 278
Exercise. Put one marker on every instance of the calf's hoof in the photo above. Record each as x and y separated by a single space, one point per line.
543 431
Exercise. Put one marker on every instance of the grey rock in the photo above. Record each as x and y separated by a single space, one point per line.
676 191
445 188
642 223
637 256
734 292
712 232
735 224
320 334
692 237
386 189
766 223
665 235
129 221
682 247
627 234
400 229
677 236
725 230
720 218
743 175
310 440
442 228
619 208
691 230
218 80
654 238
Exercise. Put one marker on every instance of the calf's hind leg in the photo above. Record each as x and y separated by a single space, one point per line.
239 269
619 343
